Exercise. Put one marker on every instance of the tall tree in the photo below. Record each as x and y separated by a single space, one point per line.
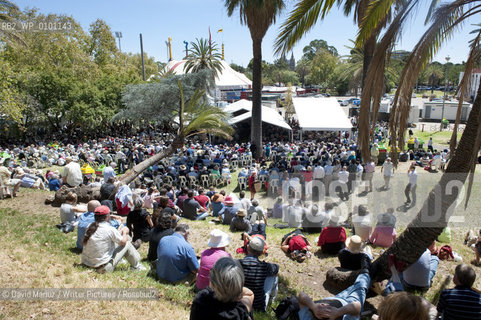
258 15
202 56
315 45
433 216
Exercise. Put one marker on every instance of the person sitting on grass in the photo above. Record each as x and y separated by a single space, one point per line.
403 306
69 211
461 302
228 213
384 234
217 204
260 276
346 305
139 223
296 245
104 246
217 243
88 218
332 238
192 209
176 259
162 228
258 218
240 223
225 297
476 248
352 257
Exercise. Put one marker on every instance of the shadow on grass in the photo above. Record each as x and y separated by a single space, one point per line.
75 250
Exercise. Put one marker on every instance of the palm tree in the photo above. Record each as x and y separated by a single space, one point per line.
432 218
195 117
202 56
258 16
306 14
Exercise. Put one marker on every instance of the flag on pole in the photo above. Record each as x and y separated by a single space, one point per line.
210 42
220 30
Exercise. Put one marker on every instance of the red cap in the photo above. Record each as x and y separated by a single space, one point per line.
297 243
102 210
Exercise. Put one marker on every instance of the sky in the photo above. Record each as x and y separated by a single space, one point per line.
186 20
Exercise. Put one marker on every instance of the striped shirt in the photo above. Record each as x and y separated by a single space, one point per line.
460 303
255 273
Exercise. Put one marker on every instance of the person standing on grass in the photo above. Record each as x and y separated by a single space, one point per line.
252 187
104 246
388 170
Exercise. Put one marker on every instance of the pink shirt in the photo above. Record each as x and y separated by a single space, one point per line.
207 260
383 236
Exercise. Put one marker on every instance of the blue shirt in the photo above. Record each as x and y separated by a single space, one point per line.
83 223
54 184
176 258
108 172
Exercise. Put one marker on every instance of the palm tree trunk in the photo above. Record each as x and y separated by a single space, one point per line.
256 120
368 49
130 175
432 218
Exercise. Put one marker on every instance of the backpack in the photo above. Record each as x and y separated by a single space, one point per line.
288 309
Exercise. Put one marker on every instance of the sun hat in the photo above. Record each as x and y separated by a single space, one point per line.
182 167
257 244
241 213
354 244
218 239
335 220
229 200
102 211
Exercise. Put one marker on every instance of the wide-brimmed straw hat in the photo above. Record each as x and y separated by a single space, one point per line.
354 244
241 213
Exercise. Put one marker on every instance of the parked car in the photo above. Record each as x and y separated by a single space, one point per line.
354 101
343 103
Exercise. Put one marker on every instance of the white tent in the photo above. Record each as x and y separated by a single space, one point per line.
228 79
269 115
321 114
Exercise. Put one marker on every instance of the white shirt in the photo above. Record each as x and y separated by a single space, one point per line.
318 172
245 203
99 248
73 173
387 168
294 217
413 177
343 176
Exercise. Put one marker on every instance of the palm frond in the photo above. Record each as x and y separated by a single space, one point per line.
301 19
376 12
445 18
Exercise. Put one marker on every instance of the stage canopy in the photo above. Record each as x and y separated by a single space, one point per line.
242 110
321 114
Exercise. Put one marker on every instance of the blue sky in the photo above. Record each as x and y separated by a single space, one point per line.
190 19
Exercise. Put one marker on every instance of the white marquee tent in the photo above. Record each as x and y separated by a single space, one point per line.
269 115
321 114
228 79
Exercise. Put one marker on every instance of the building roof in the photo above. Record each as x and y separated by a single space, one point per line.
321 114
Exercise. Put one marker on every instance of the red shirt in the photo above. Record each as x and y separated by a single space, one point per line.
297 243
202 200
332 235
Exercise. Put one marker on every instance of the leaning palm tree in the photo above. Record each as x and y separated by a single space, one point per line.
441 200
258 15
202 56
193 117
